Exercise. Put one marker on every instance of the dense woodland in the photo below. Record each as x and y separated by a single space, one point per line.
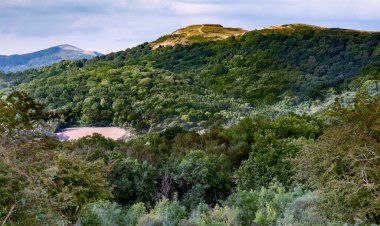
205 84
296 170
210 158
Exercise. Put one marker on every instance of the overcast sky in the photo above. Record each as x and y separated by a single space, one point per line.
112 25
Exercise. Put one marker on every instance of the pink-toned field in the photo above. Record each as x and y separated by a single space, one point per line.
79 132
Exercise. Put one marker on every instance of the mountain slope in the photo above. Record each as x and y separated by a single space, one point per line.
197 33
44 57
270 71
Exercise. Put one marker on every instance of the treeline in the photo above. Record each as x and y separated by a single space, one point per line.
297 170
204 84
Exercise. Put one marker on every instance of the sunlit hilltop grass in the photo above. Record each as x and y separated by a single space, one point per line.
197 33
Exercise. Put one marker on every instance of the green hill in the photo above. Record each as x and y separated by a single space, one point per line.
271 71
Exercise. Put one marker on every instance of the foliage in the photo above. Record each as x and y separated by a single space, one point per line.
296 126
203 84
305 210
134 213
173 176
132 182
204 215
95 147
202 178
165 212
109 213
266 206
21 115
247 203
101 213
76 182
268 160
25 156
343 164
272 203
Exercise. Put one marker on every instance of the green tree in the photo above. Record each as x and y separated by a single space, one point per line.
296 126
76 182
344 164
25 156
21 116
200 177
132 181
269 159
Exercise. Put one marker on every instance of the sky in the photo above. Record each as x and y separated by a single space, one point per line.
113 25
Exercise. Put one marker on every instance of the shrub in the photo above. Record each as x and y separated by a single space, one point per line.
134 213
102 213
166 212
263 206
203 215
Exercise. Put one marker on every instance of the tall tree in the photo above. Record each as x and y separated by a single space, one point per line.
344 163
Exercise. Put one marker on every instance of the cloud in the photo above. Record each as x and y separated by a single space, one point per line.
317 9
110 25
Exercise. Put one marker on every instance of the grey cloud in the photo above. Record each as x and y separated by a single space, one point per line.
110 25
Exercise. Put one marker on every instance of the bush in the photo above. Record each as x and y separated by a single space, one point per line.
263 206
134 213
247 203
102 213
273 201
166 212
304 210
110 213
203 215
296 126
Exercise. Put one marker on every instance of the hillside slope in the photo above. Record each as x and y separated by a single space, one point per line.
43 58
270 71
197 33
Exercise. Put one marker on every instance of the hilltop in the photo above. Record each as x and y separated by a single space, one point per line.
297 27
197 33
44 58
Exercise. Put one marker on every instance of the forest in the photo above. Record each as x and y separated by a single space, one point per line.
209 83
273 127
291 170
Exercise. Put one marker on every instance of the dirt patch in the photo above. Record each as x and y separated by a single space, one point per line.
79 132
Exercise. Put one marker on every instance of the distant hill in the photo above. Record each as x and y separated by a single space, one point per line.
44 57
197 33
199 83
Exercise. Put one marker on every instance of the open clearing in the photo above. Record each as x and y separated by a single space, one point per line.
79 132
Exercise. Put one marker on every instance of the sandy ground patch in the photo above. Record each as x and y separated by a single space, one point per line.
79 132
